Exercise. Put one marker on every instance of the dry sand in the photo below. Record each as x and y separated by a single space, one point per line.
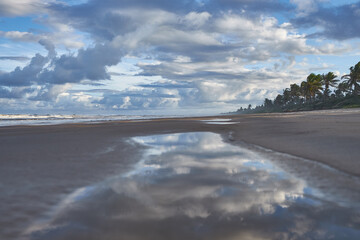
39 164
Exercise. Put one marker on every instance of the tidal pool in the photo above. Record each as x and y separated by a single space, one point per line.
195 186
220 121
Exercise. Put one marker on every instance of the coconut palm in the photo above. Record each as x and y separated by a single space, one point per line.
342 89
286 96
295 92
268 103
353 79
304 89
311 87
279 100
328 80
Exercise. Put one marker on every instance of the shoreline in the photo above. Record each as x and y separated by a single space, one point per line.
331 137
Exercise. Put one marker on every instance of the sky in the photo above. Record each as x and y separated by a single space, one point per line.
187 57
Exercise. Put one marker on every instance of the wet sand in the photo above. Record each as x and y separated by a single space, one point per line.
40 164
331 137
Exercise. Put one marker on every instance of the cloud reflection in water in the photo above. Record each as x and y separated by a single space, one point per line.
195 186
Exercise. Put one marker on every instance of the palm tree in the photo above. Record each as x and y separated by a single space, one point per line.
342 89
312 86
279 100
286 96
295 92
329 80
304 89
353 78
268 103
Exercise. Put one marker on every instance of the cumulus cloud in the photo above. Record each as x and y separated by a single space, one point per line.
89 63
51 72
27 75
50 92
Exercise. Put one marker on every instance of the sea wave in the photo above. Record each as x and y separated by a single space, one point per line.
53 119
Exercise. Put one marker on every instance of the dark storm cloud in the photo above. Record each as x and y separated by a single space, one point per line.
89 64
50 73
338 23
29 74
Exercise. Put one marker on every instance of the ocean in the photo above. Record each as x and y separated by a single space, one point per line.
54 119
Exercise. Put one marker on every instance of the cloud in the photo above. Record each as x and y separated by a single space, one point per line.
252 6
66 38
306 7
197 19
201 91
15 58
50 92
338 23
222 51
89 64
107 19
145 98
21 7
51 74
13 93
29 74
20 36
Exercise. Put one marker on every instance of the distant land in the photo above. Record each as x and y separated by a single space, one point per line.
318 92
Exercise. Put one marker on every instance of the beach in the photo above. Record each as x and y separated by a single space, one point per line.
42 164
330 136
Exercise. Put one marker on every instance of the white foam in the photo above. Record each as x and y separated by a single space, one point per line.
54 119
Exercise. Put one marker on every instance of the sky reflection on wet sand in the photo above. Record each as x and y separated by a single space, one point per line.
195 186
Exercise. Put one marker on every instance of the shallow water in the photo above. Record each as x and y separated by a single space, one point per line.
195 186
219 121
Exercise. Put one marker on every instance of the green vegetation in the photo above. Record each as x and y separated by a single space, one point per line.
315 94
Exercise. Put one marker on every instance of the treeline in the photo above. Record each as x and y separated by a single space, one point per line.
319 91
